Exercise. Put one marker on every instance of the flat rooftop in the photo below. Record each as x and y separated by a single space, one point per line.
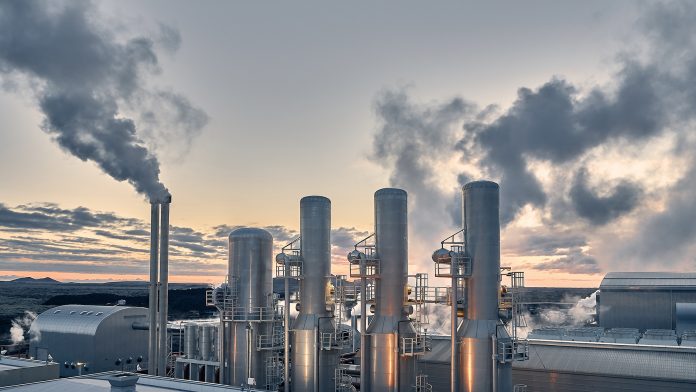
9 363
100 382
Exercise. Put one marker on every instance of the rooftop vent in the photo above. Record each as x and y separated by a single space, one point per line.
123 382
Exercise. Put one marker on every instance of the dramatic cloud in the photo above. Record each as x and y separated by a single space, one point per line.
86 77
47 238
563 155
413 141
602 209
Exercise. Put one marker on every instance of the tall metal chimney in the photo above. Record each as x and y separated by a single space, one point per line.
152 333
481 328
164 288
312 368
388 370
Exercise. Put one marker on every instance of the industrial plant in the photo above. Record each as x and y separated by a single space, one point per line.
368 330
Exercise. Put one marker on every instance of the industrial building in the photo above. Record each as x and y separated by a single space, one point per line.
90 339
646 339
648 300
585 367
15 371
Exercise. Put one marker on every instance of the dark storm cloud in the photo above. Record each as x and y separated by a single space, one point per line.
83 75
601 209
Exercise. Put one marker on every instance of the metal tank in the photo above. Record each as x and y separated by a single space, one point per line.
191 340
206 342
247 307
389 371
312 368
481 329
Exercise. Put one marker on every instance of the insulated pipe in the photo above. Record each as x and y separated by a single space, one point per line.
152 352
163 289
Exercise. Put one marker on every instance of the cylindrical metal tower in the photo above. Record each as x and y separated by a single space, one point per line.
478 372
250 285
153 341
206 338
313 368
191 340
388 370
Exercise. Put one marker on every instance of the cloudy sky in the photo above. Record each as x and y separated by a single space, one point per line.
582 111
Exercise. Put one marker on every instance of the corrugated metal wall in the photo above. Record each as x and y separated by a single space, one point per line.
642 309
551 381
545 381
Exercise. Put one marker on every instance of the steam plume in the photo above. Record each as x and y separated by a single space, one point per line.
85 78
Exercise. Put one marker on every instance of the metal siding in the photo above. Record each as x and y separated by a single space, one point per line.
636 309
551 381
96 340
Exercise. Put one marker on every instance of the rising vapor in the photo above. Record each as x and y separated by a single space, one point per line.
563 129
85 78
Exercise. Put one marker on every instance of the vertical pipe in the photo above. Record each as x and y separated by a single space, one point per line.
286 337
152 351
494 365
363 328
164 287
453 332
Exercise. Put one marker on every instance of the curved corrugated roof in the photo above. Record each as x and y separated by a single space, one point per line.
652 280
80 319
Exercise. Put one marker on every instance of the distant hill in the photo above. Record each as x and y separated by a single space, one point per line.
32 280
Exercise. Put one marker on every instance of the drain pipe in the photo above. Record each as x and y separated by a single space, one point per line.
454 319
318 350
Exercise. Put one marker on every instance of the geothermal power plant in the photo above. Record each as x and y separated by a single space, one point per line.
368 330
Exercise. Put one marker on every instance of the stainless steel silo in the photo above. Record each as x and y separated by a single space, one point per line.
388 370
206 338
312 368
481 329
246 314
191 340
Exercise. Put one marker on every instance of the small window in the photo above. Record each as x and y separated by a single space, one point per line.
57 311
88 313
99 313
83 312
72 312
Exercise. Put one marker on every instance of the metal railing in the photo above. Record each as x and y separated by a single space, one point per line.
520 388
344 381
422 384
290 258
274 372
364 254
272 341
335 340
415 345
251 314
510 350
